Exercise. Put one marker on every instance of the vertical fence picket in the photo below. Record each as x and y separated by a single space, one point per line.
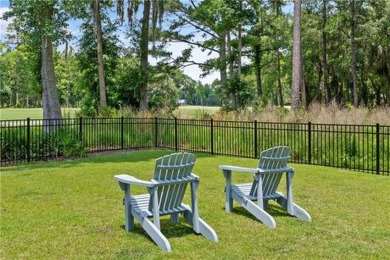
155 132
28 140
81 129
212 135
176 137
255 137
377 149
309 142
122 133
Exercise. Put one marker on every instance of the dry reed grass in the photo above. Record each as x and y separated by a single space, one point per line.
316 113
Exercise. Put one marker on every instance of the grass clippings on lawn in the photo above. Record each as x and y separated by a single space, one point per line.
73 209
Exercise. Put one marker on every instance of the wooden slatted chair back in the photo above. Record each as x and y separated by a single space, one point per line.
272 159
172 170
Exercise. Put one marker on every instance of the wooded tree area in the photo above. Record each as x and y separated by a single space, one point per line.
265 52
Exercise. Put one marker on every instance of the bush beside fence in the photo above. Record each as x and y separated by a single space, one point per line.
356 147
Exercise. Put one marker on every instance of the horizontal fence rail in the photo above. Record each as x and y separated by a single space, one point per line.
363 148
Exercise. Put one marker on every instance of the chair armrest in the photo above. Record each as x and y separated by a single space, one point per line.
124 178
270 171
195 176
238 169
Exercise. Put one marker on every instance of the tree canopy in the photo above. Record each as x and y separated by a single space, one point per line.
341 52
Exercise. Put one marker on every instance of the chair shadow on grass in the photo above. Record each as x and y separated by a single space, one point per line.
273 209
181 229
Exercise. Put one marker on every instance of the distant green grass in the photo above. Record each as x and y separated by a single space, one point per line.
33 113
37 113
73 209
195 111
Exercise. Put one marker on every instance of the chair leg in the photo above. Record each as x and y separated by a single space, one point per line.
297 210
265 204
204 229
129 222
129 218
228 190
156 234
301 213
259 213
174 219
283 202
255 209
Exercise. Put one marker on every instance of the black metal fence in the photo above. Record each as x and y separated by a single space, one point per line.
357 147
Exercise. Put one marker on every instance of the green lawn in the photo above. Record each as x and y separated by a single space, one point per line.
195 111
36 113
33 113
73 210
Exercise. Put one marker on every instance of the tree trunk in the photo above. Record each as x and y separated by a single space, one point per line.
387 75
99 38
324 53
353 54
222 60
143 105
258 71
303 84
239 63
231 71
317 96
280 87
67 73
50 100
229 55
257 53
296 57
340 92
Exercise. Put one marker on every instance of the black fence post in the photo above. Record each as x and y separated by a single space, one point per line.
28 141
175 133
377 150
81 129
155 132
309 142
255 137
122 132
212 135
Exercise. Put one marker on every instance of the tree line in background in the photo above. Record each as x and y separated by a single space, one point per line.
323 51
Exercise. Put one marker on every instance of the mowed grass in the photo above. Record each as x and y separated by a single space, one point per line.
73 210
195 111
33 113
37 113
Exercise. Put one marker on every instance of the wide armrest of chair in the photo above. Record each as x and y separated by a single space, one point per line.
238 168
278 170
124 178
194 176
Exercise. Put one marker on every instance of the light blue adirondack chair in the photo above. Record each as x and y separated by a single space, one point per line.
172 174
266 178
